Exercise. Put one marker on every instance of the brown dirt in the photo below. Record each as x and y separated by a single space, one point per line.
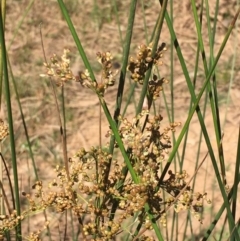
98 32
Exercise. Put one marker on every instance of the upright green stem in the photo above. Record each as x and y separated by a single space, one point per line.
123 69
10 121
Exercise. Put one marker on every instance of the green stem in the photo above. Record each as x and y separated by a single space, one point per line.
11 131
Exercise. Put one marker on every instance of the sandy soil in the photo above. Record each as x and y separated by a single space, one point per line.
96 26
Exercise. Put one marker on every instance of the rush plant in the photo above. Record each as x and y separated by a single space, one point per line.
134 187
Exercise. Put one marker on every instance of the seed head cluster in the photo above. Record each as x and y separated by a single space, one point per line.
94 193
187 200
9 221
141 64
59 68
98 189
148 147
108 78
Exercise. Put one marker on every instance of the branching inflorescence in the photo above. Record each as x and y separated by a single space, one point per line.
87 191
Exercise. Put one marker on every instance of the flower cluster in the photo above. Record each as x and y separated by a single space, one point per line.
3 130
144 60
9 221
89 195
98 188
107 76
101 194
181 196
148 147
59 68
155 86
36 236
